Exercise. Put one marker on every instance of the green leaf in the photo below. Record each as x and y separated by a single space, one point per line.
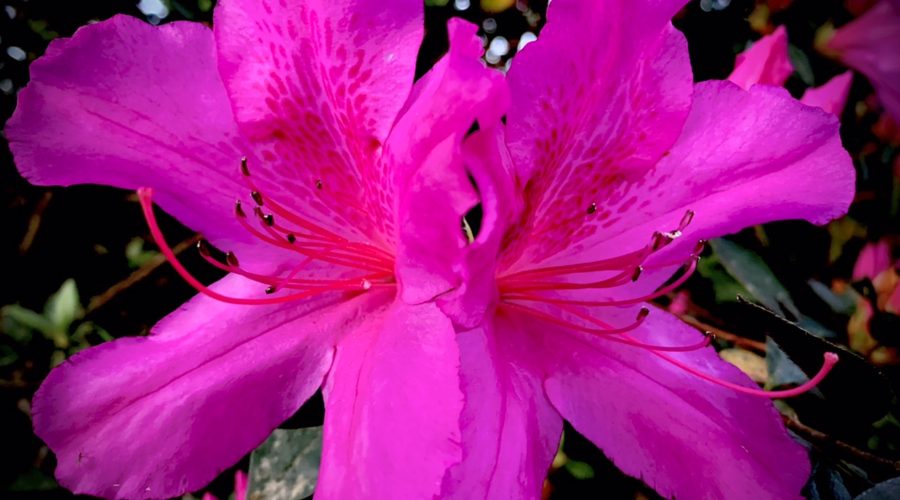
751 272
28 319
286 466
136 255
579 470
64 307
801 65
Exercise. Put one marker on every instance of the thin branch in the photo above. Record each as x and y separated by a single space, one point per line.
138 276
34 222
823 440
722 334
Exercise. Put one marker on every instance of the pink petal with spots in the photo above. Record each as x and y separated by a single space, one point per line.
425 158
765 62
832 96
318 85
726 168
126 104
597 100
510 432
392 405
159 416
683 436
868 44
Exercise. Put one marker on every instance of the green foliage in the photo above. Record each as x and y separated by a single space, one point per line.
286 466
60 322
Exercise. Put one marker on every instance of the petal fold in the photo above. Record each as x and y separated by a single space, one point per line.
510 432
392 405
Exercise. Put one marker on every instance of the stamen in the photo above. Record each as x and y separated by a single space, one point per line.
145 197
829 362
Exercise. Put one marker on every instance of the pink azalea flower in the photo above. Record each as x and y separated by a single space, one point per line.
869 44
613 164
766 61
447 368
359 186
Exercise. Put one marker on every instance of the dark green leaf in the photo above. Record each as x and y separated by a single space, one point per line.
286 466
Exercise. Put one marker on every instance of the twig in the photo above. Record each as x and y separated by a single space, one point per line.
34 222
137 276
722 334
824 440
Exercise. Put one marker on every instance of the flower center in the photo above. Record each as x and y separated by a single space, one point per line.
362 266
542 293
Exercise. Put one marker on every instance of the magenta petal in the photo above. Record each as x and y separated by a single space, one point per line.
488 162
424 155
726 168
832 96
765 62
159 416
127 104
510 432
868 44
317 86
685 437
392 404
597 100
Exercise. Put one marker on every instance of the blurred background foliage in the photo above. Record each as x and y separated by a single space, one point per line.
76 268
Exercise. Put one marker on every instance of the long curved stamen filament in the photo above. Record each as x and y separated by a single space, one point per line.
145 196
830 360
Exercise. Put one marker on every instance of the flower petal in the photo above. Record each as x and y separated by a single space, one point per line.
832 96
424 155
126 104
510 432
726 168
159 416
488 162
685 437
765 62
318 85
868 44
597 100
392 404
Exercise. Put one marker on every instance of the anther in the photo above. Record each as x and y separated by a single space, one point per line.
699 247
637 273
232 259
319 184
643 313
592 208
239 210
257 197
686 220
291 238
270 290
269 219
245 170
203 248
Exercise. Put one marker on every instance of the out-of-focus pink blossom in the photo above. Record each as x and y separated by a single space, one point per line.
870 44
766 62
